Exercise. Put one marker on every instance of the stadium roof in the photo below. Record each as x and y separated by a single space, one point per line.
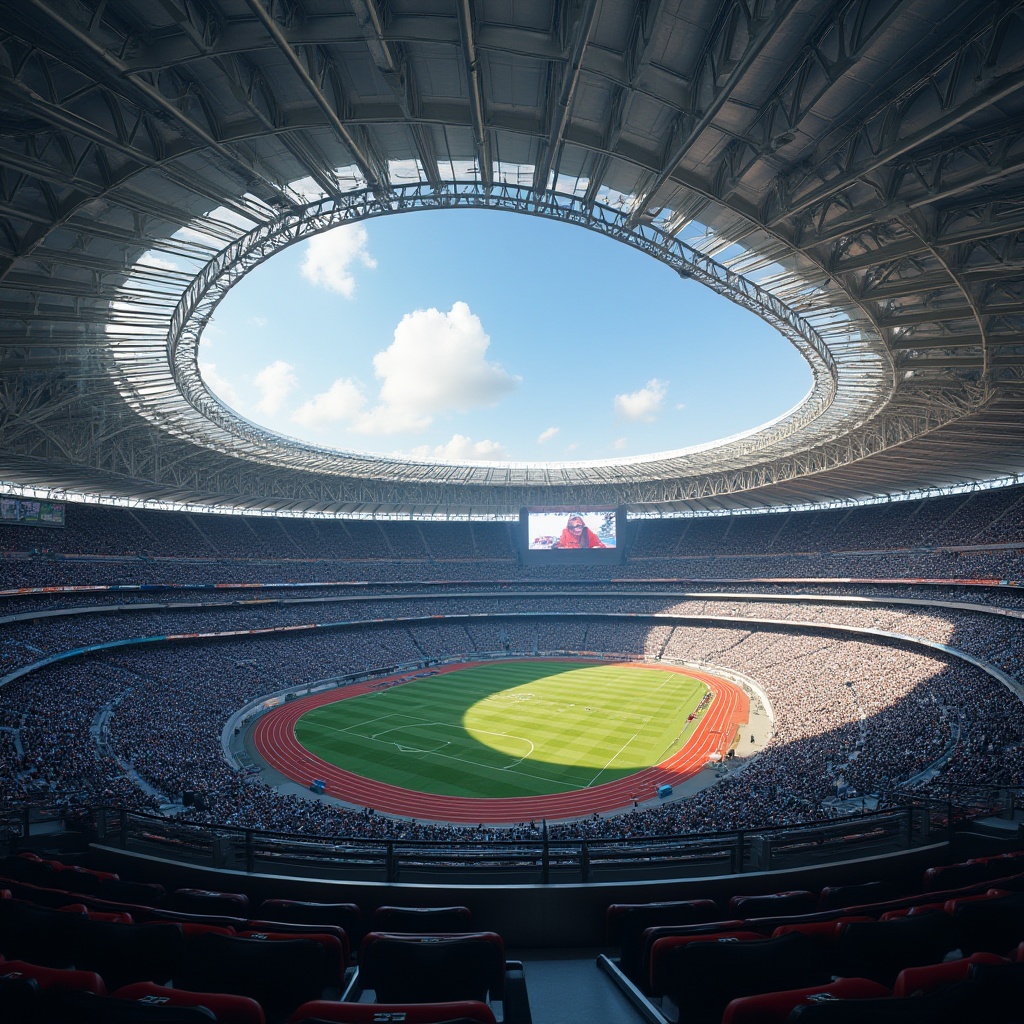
851 171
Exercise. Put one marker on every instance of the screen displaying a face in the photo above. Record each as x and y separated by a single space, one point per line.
571 530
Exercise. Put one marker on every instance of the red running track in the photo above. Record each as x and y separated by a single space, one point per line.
274 738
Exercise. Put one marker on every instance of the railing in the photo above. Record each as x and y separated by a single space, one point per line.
917 821
542 860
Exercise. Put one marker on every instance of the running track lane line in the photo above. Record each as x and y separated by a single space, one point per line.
274 739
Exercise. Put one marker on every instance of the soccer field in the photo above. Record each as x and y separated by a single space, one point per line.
511 728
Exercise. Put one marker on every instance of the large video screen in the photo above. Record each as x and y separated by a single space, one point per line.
31 513
572 536
574 530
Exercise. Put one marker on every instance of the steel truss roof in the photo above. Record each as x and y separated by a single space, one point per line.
851 171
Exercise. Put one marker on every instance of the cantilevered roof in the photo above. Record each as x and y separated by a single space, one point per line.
852 172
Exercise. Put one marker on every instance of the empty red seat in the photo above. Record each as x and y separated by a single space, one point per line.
917 980
227 1009
337 952
775 1007
408 1013
343 915
664 969
208 901
421 919
797 901
279 974
433 968
825 930
652 935
702 978
835 897
953 876
627 922
881 949
47 978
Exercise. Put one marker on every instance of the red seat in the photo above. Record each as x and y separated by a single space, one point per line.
775 1007
228 1009
702 978
916 980
409 1013
119 917
881 949
342 915
297 931
797 901
280 974
663 969
421 920
953 876
47 978
207 901
826 930
336 951
433 968
652 935
835 897
627 922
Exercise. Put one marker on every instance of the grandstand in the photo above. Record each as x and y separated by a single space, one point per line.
171 573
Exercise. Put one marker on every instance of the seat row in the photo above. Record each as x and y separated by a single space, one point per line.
689 960
185 950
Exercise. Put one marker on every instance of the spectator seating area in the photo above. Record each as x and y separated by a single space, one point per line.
187 954
280 960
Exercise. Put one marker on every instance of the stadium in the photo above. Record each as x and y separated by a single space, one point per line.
291 732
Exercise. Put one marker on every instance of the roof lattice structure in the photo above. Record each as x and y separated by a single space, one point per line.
851 171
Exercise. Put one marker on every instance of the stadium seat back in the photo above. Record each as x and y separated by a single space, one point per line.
123 953
228 1009
421 920
342 915
279 975
704 977
881 949
433 968
775 1007
463 1011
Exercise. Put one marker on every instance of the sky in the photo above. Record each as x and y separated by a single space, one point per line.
469 334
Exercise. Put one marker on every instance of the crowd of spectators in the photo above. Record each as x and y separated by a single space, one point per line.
141 726
852 713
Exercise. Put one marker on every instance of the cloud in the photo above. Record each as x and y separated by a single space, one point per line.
258 321
619 444
330 257
222 388
644 404
461 449
275 383
546 435
437 363
343 400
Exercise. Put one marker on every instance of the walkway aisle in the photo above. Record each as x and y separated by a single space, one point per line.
567 987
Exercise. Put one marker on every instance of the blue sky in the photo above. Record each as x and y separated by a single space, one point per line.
483 335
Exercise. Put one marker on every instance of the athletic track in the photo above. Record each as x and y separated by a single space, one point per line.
274 738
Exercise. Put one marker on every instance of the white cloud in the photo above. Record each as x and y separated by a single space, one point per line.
437 363
644 404
331 256
546 435
461 449
222 388
619 444
275 383
258 321
570 448
343 400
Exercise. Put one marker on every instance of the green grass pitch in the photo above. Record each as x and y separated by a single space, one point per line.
516 728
